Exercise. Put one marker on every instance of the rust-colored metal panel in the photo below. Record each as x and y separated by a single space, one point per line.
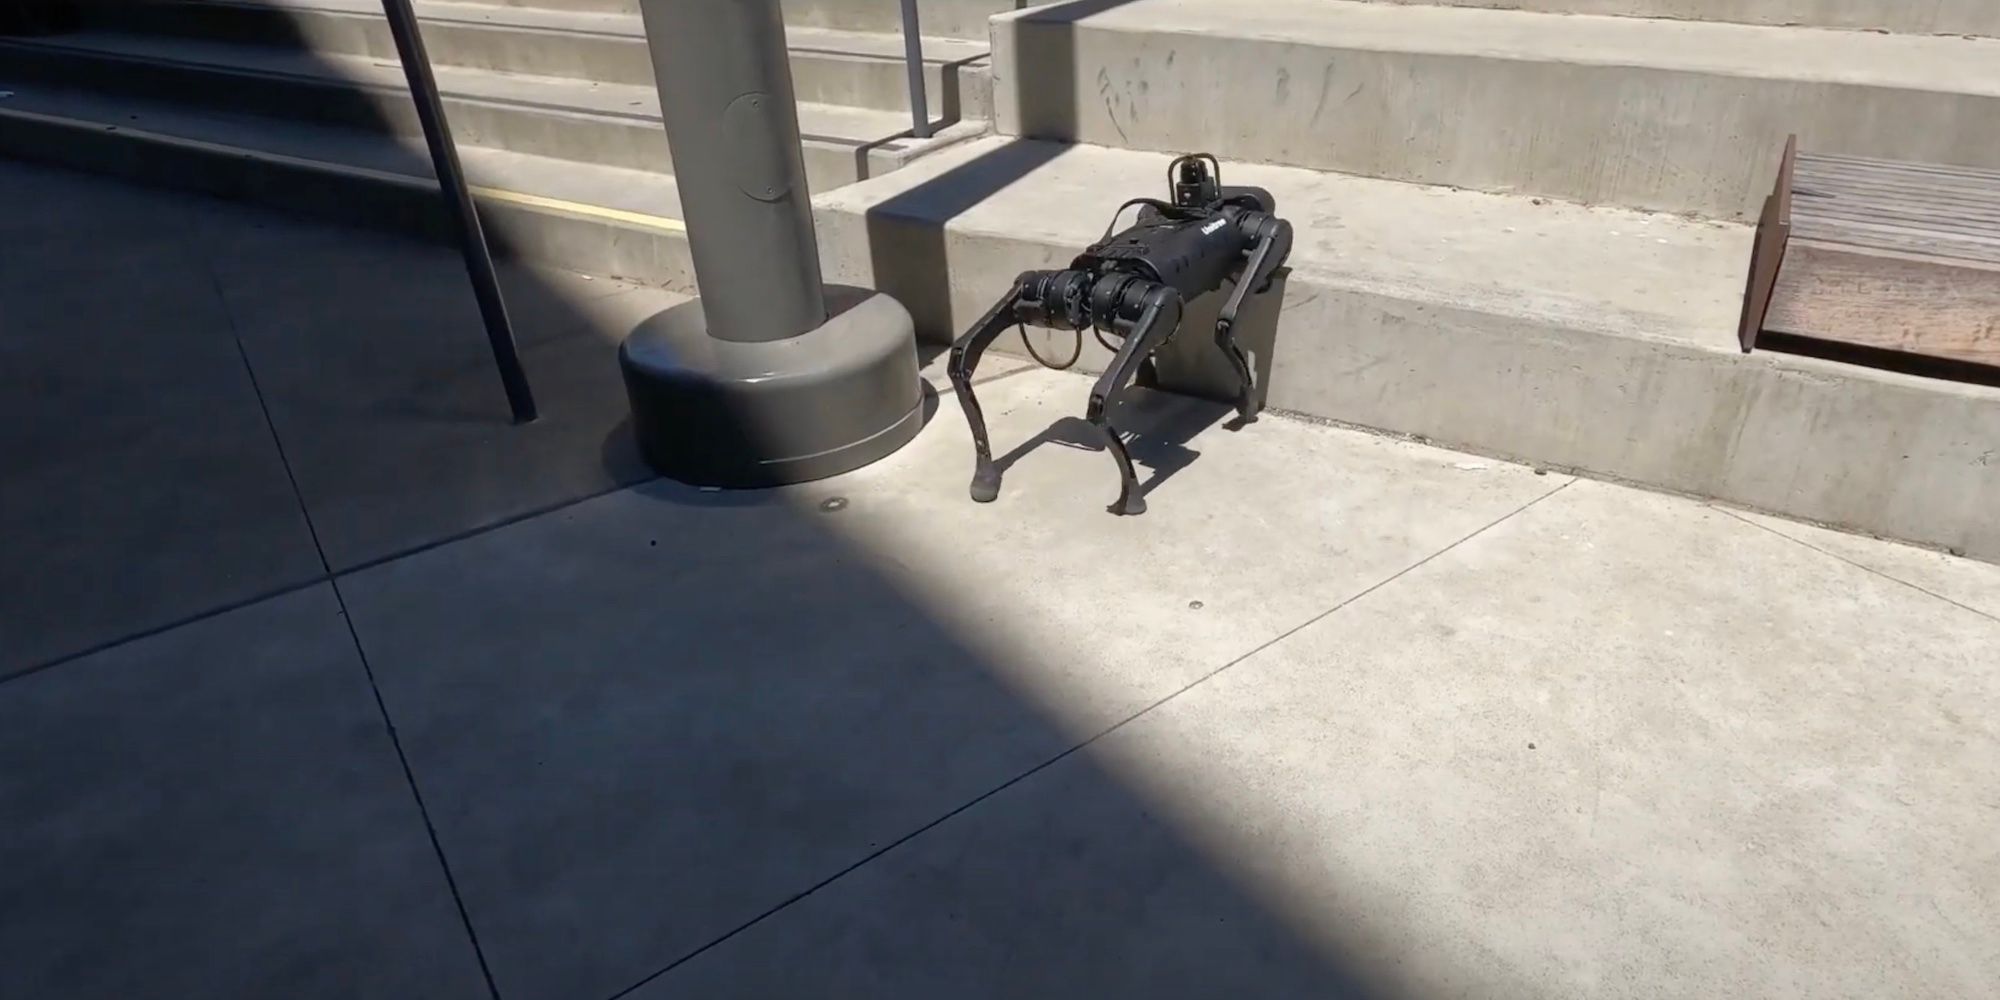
1767 252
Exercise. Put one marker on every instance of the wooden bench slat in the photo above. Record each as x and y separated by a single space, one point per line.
1902 257
1810 160
1902 239
1948 212
1823 191
1932 192
1863 211
1898 302
1834 189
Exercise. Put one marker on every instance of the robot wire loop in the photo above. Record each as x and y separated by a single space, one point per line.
1132 286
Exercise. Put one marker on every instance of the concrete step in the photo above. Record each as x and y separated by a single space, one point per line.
947 18
601 124
1594 339
1930 17
582 217
942 18
1663 115
828 66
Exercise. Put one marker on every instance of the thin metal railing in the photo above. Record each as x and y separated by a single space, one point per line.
458 204
913 60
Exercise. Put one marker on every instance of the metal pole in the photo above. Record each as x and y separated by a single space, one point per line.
458 204
726 98
913 62
770 375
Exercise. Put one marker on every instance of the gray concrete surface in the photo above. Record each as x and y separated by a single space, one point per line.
1617 746
588 124
1616 111
855 69
142 486
854 674
139 485
1941 17
217 811
388 405
1588 338
1271 739
952 18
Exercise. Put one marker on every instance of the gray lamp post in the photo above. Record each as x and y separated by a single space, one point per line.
769 376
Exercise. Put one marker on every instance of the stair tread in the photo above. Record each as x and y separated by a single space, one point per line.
830 123
622 24
1611 270
542 177
1948 64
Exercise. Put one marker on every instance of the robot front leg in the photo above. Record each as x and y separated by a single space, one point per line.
1274 244
965 355
1159 317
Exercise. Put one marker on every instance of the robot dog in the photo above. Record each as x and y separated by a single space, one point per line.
1132 286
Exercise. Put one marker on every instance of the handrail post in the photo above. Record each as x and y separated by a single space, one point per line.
913 59
458 204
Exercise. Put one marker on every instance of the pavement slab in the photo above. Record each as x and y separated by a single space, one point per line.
1619 745
372 355
1976 585
141 484
650 717
217 811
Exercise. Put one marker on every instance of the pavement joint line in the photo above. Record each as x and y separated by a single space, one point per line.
1892 578
381 560
315 580
1023 370
153 630
347 619
1114 727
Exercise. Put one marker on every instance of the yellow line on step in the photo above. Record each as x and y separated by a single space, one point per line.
581 208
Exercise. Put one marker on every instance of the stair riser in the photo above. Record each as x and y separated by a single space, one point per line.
1618 135
638 143
955 91
652 255
941 18
1767 431
1932 17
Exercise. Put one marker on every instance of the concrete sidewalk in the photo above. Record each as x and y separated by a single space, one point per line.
322 680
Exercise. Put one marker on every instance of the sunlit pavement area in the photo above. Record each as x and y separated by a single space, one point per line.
322 679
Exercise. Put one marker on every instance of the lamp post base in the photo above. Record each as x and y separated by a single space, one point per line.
744 414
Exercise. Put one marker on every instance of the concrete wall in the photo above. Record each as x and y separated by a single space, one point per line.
1939 17
1674 117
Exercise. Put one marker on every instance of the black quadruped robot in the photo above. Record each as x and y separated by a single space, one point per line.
1132 286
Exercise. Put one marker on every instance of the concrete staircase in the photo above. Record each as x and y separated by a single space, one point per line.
1522 221
1521 230
302 104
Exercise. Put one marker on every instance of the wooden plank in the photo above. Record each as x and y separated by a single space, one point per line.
1767 251
1918 196
1811 206
1902 239
1817 202
1954 178
1983 190
1975 184
1926 199
1833 195
1814 160
1951 203
1892 301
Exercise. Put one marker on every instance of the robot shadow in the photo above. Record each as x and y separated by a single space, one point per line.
1157 426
